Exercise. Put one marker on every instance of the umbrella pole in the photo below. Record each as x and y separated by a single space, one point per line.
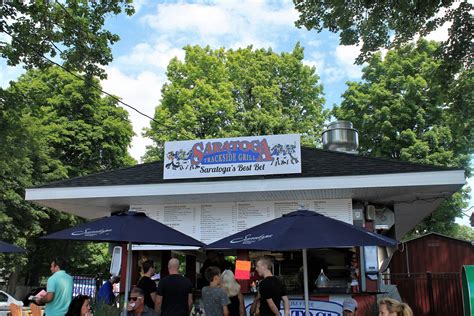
128 276
305 281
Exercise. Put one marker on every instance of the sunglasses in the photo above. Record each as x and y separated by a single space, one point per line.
134 298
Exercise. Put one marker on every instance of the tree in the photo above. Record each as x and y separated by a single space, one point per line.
388 24
223 93
74 30
463 232
84 132
406 108
56 126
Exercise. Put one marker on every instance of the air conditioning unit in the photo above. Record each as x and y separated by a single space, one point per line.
384 218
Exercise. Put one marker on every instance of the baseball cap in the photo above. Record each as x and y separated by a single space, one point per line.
349 304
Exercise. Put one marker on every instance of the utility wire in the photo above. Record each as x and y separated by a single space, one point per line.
87 81
87 33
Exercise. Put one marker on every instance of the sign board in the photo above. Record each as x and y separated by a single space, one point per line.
316 307
229 157
209 222
242 269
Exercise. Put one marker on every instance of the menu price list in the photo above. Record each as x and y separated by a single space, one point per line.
212 221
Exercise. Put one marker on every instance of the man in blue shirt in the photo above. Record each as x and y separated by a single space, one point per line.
106 292
59 290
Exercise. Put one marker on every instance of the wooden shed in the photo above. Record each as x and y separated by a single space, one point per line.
432 252
426 271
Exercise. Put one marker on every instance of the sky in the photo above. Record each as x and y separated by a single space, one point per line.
159 30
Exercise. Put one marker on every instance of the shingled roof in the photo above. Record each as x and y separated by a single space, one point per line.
315 163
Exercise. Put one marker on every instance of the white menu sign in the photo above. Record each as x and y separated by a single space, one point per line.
227 157
212 221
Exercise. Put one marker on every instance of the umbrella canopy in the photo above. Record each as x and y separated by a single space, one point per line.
5 247
302 230
126 227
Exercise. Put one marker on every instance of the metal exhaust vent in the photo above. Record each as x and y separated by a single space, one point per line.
341 136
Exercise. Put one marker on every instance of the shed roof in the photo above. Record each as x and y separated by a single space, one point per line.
430 234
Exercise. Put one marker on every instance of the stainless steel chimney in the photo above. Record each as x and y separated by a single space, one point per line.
341 136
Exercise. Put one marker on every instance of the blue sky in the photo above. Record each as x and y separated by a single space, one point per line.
159 29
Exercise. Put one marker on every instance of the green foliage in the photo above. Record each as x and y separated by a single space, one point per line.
382 24
225 93
76 27
54 126
463 232
408 108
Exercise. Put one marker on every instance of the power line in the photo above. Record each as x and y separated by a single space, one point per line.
87 33
86 81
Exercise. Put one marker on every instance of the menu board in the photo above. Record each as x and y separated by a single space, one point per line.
217 220
212 221
250 214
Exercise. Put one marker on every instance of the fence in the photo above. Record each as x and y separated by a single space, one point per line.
430 294
86 285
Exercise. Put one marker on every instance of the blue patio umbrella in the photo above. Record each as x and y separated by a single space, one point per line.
126 227
5 247
302 230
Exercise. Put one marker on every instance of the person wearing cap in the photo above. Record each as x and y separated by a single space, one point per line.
349 307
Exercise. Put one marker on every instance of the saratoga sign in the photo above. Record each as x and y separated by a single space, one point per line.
240 156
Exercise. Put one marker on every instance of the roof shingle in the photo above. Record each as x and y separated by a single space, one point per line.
315 163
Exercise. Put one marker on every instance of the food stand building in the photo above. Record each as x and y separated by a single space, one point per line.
387 195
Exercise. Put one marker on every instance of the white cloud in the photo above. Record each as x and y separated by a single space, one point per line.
345 58
207 20
157 54
139 4
229 23
336 66
142 92
440 34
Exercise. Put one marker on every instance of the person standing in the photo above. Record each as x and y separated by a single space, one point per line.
271 291
106 292
136 304
174 296
59 290
214 299
232 289
147 284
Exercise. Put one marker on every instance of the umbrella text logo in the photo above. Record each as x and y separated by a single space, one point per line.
248 239
91 233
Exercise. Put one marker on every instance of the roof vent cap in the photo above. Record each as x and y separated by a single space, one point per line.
341 136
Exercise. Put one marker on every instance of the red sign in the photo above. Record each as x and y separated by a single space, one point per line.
242 270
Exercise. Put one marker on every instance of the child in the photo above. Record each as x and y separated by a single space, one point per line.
214 299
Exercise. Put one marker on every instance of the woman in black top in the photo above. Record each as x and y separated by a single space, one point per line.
232 289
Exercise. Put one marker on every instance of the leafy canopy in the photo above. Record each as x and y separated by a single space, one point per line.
408 108
387 24
73 29
224 93
54 126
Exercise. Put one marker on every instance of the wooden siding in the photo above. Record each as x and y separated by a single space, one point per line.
434 253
